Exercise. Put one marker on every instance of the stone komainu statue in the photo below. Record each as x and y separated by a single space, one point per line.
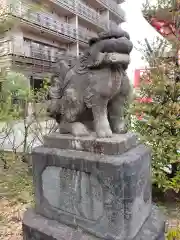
89 93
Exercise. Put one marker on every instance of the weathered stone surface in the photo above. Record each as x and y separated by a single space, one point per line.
75 192
153 228
116 145
102 194
94 88
36 227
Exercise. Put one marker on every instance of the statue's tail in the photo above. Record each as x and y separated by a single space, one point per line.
63 65
59 81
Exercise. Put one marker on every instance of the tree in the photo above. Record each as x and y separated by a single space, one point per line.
160 124
16 96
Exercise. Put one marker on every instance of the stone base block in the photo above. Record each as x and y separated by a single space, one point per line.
36 227
104 194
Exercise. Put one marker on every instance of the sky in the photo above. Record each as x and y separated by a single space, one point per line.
138 29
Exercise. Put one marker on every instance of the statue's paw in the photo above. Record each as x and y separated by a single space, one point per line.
79 129
120 131
120 128
104 133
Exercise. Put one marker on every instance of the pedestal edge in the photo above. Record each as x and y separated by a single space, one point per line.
118 144
38 226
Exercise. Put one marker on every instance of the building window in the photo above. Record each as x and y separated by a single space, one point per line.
36 84
39 50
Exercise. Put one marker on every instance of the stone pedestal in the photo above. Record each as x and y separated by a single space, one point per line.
88 188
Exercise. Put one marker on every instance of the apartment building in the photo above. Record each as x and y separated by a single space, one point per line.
44 28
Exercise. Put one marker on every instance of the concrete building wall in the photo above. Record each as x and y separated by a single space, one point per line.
73 49
17 41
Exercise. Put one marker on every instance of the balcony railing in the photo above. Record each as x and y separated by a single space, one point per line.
113 6
40 54
82 35
35 67
82 10
4 46
85 35
67 4
116 9
87 12
46 21
90 14
28 50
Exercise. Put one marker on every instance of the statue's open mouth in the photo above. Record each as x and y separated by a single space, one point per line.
110 48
